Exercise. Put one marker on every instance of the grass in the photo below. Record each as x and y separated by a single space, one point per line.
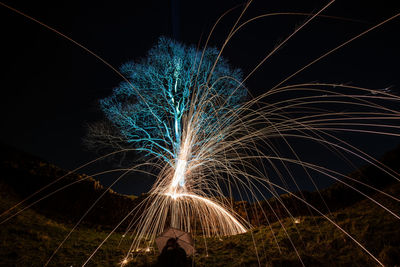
318 242
30 238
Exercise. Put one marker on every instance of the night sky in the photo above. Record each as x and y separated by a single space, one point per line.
50 87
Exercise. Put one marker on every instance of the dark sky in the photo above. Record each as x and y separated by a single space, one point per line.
50 87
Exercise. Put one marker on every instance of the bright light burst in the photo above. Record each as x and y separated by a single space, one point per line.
176 107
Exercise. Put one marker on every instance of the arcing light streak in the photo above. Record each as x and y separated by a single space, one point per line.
210 204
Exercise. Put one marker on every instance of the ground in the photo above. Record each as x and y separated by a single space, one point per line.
30 238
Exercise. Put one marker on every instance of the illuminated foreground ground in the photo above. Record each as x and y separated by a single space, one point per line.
31 238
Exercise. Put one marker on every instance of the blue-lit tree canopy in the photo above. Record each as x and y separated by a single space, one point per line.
165 88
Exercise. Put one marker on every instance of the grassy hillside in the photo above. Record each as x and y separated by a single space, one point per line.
319 243
30 238
25 174
336 196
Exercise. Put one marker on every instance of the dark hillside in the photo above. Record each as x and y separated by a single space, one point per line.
26 174
19 168
30 238
318 242
335 197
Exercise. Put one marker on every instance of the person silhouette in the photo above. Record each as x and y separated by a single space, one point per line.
172 255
